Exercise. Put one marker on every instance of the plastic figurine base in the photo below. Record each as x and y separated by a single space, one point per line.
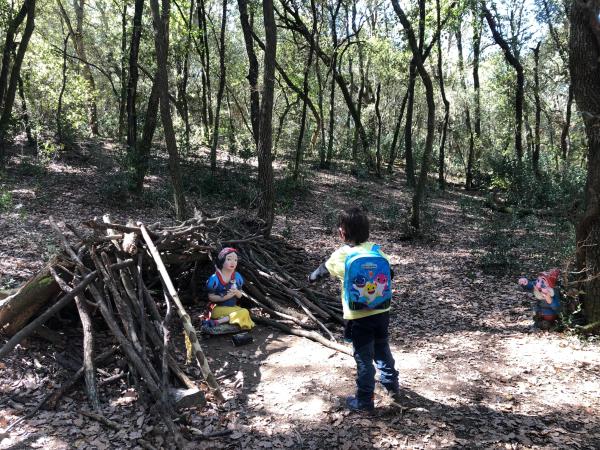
216 330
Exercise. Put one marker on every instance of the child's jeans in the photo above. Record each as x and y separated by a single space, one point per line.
370 342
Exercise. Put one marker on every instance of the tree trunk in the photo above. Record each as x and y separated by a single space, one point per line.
135 157
15 74
266 207
124 81
477 29
143 147
161 28
417 57
25 114
86 72
393 152
59 121
379 123
535 157
471 155
300 142
206 102
9 43
252 69
441 180
213 148
585 77
408 153
565 143
516 64
299 26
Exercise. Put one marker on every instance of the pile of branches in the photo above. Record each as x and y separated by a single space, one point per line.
134 277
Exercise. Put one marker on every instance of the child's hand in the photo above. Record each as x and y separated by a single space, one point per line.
234 293
523 281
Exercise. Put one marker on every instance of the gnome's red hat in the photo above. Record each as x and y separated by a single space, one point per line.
551 277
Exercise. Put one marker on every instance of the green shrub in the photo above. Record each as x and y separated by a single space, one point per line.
6 200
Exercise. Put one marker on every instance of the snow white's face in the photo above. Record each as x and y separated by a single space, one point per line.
231 261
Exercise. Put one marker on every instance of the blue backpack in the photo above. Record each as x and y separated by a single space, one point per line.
367 280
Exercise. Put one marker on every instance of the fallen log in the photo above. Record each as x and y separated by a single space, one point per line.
18 308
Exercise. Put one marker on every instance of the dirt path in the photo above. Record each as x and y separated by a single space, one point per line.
478 376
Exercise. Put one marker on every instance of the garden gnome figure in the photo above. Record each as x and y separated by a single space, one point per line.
547 296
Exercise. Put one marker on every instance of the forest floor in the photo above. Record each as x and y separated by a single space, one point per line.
478 375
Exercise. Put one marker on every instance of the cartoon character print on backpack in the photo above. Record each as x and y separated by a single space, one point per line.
367 280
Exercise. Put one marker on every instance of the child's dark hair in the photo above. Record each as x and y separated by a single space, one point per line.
355 224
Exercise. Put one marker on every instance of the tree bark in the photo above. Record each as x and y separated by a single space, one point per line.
213 148
9 43
300 141
584 51
516 64
394 145
86 72
252 69
266 206
463 84
124 78
135 157
378 158
535 157
16 73
161 28
477 29
299 26
441 167
143 147
417 57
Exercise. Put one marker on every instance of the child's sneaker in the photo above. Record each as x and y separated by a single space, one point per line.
353 404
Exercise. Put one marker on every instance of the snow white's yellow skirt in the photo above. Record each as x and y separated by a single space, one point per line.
237 316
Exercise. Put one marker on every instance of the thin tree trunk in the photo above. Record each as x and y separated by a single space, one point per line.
441 167
62 89
516 64
124 81
408 153
25 115
135 156
86 72
565 143
394 145
266 208
15 74
535 157
320 129
477 29
9 43
300 142
213 148
334 61
145 144
379 123
471 155
161 28
298 25
416 51
252 68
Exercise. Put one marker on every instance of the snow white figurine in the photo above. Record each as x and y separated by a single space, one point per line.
224 289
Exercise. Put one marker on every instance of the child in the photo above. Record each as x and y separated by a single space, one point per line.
224 288
367 328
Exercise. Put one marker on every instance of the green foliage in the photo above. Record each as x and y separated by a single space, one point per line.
525 190
6 200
